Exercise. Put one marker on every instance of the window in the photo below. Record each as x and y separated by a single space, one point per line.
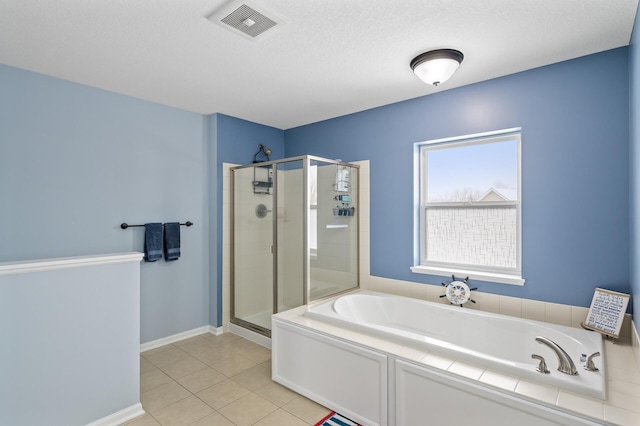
468 221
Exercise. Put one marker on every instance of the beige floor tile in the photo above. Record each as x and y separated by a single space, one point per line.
167 357
248 409
215 419
223 338
281 418
150 352
259 354
183 412
153 379
183 367
253 378
190 340
144 420
306 409
232 366
223 393
201 379
214 355
243 345
198 347
146 366
162 396
277 394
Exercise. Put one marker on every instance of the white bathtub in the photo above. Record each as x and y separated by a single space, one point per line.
491 340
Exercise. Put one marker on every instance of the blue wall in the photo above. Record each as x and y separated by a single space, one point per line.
575 170
71 343
634 117
75 162
237 142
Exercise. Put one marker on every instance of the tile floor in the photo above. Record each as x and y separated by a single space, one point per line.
217 380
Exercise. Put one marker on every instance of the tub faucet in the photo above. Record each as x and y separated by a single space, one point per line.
565 364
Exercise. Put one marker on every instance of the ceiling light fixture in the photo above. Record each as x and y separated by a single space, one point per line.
436 66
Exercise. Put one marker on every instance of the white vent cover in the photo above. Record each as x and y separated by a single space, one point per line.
247 18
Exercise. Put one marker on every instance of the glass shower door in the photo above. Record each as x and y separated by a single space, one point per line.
290 232
253 247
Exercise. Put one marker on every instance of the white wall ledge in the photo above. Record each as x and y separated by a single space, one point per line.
27 266
474 275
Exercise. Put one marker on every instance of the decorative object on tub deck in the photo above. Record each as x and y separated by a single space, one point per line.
335 419
458 292
606 312
172 241
152 241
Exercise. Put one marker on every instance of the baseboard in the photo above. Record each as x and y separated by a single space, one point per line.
250 335
635 343
120 417
180 336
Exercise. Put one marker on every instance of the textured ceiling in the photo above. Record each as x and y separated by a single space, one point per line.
332 57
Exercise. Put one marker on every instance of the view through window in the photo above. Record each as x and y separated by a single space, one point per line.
470 203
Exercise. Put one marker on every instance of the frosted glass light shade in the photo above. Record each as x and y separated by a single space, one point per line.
436 66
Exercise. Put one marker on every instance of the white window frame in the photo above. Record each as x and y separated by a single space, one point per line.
421 264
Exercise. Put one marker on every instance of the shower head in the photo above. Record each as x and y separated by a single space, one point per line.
264 150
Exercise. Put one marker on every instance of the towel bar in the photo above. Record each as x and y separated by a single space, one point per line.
125 225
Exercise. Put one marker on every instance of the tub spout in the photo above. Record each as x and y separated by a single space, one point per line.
565 364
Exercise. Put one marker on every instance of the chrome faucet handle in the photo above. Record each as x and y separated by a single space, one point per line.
565 364
589 365
542 367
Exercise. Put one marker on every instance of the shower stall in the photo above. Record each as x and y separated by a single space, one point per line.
294 236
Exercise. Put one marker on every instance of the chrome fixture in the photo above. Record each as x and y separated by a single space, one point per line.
542 367
261 211
565 364
589 365
265 151
436 66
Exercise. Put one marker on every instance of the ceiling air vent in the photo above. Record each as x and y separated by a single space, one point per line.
247 19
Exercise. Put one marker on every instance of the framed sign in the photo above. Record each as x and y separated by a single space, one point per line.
607 312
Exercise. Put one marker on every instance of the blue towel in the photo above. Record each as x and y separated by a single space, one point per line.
152 242
172 241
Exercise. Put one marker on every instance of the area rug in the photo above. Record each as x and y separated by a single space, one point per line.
335 419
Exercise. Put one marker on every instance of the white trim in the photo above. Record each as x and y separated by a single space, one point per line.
473 136
635 342
120 417
22 267
180 336
250 335
421 262
474 275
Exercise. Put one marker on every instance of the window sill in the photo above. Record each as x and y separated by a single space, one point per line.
473 275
